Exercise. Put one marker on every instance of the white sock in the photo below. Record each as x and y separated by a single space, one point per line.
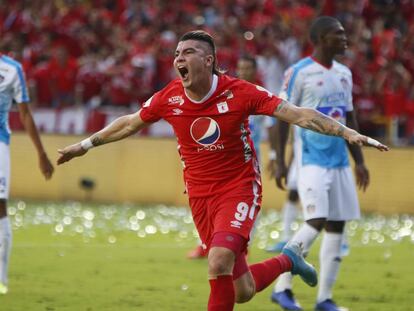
305 235
5 247
330 259
284 281
289 216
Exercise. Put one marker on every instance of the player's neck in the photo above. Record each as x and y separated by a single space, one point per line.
202 90
323 58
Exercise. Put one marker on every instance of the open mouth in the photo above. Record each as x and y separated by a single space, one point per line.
183 72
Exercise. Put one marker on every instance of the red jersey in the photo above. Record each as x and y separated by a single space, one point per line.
213 135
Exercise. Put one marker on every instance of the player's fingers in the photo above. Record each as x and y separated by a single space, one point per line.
372 142
279 183
62 159
364 187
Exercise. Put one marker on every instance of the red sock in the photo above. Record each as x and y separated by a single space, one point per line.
265 272
221 294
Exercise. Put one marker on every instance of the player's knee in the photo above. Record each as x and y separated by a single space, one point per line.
335 226
220 261
3 208
317 223
244 297
293 196
246 291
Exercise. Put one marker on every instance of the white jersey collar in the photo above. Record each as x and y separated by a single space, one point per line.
208 95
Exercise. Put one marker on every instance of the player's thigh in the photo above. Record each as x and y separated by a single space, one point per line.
236 211
4 171
201 217
343 196
292 177
313 188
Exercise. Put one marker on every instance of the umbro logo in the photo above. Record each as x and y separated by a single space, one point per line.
177 111
235 224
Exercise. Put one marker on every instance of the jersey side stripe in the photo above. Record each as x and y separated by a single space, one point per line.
300 65
18 66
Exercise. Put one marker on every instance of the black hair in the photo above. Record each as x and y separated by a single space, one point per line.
201 35
321 26
249 58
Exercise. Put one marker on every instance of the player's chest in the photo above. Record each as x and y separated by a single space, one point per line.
206 122
5 82
327 89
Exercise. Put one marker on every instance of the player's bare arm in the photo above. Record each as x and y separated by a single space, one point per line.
121 128
361 171
26 118
314 120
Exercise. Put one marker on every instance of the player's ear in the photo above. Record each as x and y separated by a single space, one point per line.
209 60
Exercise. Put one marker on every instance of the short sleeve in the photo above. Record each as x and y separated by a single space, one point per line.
349 104
261 101
20 93
151 110
291 88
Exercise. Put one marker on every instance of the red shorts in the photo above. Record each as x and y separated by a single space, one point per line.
234 211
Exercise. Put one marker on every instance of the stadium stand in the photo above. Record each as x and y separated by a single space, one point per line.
87 61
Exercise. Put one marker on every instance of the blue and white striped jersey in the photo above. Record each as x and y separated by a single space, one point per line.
329 90
12 88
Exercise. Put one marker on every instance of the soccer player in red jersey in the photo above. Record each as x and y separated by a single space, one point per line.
209 113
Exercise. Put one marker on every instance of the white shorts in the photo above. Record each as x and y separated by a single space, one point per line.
4 171
328 193
292 177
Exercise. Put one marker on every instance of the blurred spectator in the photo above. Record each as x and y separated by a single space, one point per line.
63 70
117 53
369 110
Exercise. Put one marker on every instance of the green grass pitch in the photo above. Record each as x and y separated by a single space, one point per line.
85 258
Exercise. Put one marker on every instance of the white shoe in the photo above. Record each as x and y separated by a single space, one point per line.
3 289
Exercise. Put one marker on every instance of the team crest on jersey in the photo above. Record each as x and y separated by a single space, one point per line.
344 83
205 131
3 185
222 107
176 100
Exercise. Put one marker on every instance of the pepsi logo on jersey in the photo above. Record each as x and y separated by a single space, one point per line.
335 113
205 131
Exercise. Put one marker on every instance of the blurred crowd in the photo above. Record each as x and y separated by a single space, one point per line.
101 53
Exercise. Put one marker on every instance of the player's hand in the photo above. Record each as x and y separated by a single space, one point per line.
357 139
46 166
70 152
362 176
281 175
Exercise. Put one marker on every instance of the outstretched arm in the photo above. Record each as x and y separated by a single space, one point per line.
314 120
119 129
26 118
